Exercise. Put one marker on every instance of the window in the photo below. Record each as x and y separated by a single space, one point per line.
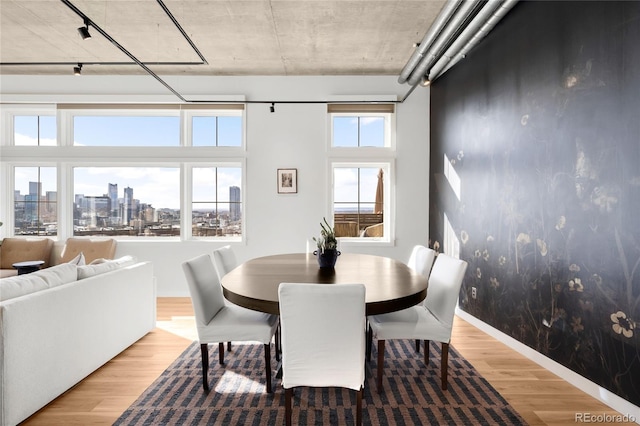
358 200
359 126
359 131
216 206
121 130
126 201
362 154
217 131
35 201
34 130
160 171
215 125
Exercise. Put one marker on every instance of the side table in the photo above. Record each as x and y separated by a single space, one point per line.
28 266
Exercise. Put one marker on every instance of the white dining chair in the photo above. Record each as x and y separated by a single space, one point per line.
219 321
225 260
431 320
323 339
420 261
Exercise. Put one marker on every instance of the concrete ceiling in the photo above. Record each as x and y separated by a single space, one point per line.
236 37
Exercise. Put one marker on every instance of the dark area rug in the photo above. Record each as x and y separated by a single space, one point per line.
412 394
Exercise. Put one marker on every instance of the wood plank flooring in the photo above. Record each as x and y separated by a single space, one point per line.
539 396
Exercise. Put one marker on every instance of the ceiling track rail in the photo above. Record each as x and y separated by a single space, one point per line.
121 48
93 63
182 31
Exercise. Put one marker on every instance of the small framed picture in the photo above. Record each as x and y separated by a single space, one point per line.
287 181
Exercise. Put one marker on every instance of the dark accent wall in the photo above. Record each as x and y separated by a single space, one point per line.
541 122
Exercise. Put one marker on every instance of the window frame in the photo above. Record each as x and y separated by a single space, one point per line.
189 114
188 198
8 121
64 157
8 197
366 156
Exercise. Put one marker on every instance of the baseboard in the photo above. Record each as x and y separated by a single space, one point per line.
607 397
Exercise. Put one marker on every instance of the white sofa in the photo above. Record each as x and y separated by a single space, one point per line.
72 320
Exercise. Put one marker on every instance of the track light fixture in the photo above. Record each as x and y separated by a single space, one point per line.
425 81
84 31
77 70
272 108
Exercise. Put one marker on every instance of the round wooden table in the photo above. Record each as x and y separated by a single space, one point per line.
390 284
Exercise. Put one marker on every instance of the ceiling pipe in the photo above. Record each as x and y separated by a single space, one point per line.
474 26
486 28
443 40
438 24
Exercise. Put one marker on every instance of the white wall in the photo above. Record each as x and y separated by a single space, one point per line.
295 136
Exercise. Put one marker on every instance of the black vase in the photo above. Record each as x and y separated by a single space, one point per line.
327 258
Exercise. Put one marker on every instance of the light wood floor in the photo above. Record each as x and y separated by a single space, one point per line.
539 396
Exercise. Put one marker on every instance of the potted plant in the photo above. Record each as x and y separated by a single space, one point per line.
327 246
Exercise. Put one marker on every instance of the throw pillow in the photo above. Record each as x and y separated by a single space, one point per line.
78 260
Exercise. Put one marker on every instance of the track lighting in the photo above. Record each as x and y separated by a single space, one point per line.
425 81
272 108
77 70
84 31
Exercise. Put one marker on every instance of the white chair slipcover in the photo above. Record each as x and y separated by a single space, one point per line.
225 260
323 338
430 320
421 260
219 321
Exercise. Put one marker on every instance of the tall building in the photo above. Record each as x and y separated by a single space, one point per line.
127 205
35 188
235 205
113 197
31 202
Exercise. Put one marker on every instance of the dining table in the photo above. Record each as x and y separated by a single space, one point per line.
390 284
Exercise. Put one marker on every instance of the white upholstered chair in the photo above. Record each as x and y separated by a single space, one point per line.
421 259
323 339
219 321
225 260
431 320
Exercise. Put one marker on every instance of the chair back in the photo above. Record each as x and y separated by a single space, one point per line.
444 287
225 260
323 335
421 259
204 288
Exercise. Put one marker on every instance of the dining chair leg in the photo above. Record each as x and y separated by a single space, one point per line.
229 346
277 343
444 364
426 352
204 351
221 353
418 345
288 394
369 342
267 362
380 364
359 407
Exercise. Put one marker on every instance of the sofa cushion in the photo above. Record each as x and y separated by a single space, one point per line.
87 271
15 250
91 249
100 266
19 286
59 274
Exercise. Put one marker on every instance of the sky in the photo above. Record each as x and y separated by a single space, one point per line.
160 186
